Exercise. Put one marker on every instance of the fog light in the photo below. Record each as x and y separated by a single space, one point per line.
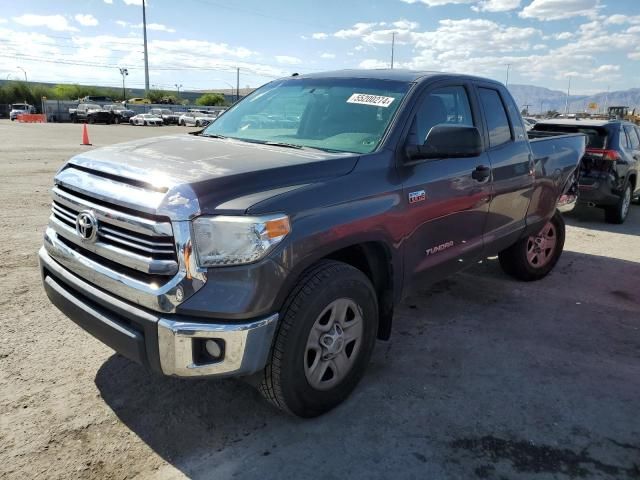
213 348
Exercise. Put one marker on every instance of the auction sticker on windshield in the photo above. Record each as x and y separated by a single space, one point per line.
374 100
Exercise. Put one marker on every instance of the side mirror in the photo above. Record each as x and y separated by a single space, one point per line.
447 141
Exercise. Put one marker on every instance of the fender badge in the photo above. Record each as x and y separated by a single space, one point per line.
418 196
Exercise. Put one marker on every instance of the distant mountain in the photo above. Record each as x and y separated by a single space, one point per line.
540 97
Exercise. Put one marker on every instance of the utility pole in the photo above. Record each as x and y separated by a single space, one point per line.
124 72
178 87
508 67
393 46
526 107
541 110
25 74
146 52
606 101
237 84
566 105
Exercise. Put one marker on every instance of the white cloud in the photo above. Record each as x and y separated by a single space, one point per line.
87 20
287 60
372 63
622 19
608 68
133 2
563 36
560 9
110 2
328 56
496 5
319 36
3 20
539 46
634 55
405 25
356 31
57 23
438 3
157 27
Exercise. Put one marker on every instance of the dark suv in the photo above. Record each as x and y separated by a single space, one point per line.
609 168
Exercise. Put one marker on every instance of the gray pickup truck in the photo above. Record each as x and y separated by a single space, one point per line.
275 243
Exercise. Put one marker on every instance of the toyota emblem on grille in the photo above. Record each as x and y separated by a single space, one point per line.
87 226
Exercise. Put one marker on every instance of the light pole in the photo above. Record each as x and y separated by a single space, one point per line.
124 72
393 46
566 105
507 82
25 74
146 52
178 87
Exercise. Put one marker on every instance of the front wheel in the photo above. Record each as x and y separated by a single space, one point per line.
324 340
532 258
619 212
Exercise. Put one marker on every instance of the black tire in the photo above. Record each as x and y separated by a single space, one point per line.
144 123
91 120
515 262
197 123
619 212
284 382
131 123
116 120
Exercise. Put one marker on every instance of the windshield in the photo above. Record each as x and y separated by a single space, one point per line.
19 106
347 115
93 106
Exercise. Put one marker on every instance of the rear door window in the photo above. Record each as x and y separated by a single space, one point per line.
633 137
496 115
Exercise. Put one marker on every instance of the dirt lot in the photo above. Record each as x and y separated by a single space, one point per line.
484 377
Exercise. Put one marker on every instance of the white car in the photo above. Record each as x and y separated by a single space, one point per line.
146 119
197 119
19 109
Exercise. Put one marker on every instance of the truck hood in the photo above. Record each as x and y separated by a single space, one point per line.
209 171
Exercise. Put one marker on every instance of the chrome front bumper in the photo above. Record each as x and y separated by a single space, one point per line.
130 329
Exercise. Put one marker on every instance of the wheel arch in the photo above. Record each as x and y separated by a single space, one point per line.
373 258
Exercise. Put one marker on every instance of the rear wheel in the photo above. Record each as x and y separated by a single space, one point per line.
532 258
116 120
324 340
619 212
144 123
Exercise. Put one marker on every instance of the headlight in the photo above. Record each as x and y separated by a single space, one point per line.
226 240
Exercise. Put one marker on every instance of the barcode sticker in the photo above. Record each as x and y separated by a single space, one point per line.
373 100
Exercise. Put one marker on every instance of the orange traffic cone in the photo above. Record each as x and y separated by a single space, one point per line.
85 135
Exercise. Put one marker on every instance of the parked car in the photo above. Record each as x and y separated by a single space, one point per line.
168 117
146 119
139 101
529 122
19 109
197 119
281 254
99 99
90 113
119 114
609 169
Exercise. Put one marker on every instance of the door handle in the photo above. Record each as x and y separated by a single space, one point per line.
481 173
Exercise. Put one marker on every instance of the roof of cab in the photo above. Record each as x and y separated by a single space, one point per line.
384 74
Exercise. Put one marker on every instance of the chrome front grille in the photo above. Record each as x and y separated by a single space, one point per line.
127 240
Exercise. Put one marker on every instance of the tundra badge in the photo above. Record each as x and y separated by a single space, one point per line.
418 196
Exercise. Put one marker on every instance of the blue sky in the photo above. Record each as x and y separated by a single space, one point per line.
199 43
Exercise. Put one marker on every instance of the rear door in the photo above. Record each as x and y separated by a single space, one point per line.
511 164
446 207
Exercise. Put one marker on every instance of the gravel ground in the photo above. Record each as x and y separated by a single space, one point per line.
484 377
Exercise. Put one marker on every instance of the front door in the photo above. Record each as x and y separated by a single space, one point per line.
446 205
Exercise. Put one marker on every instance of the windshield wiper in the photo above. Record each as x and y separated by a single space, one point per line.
284 144
210 135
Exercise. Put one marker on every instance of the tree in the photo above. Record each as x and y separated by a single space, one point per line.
156 96
211 100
